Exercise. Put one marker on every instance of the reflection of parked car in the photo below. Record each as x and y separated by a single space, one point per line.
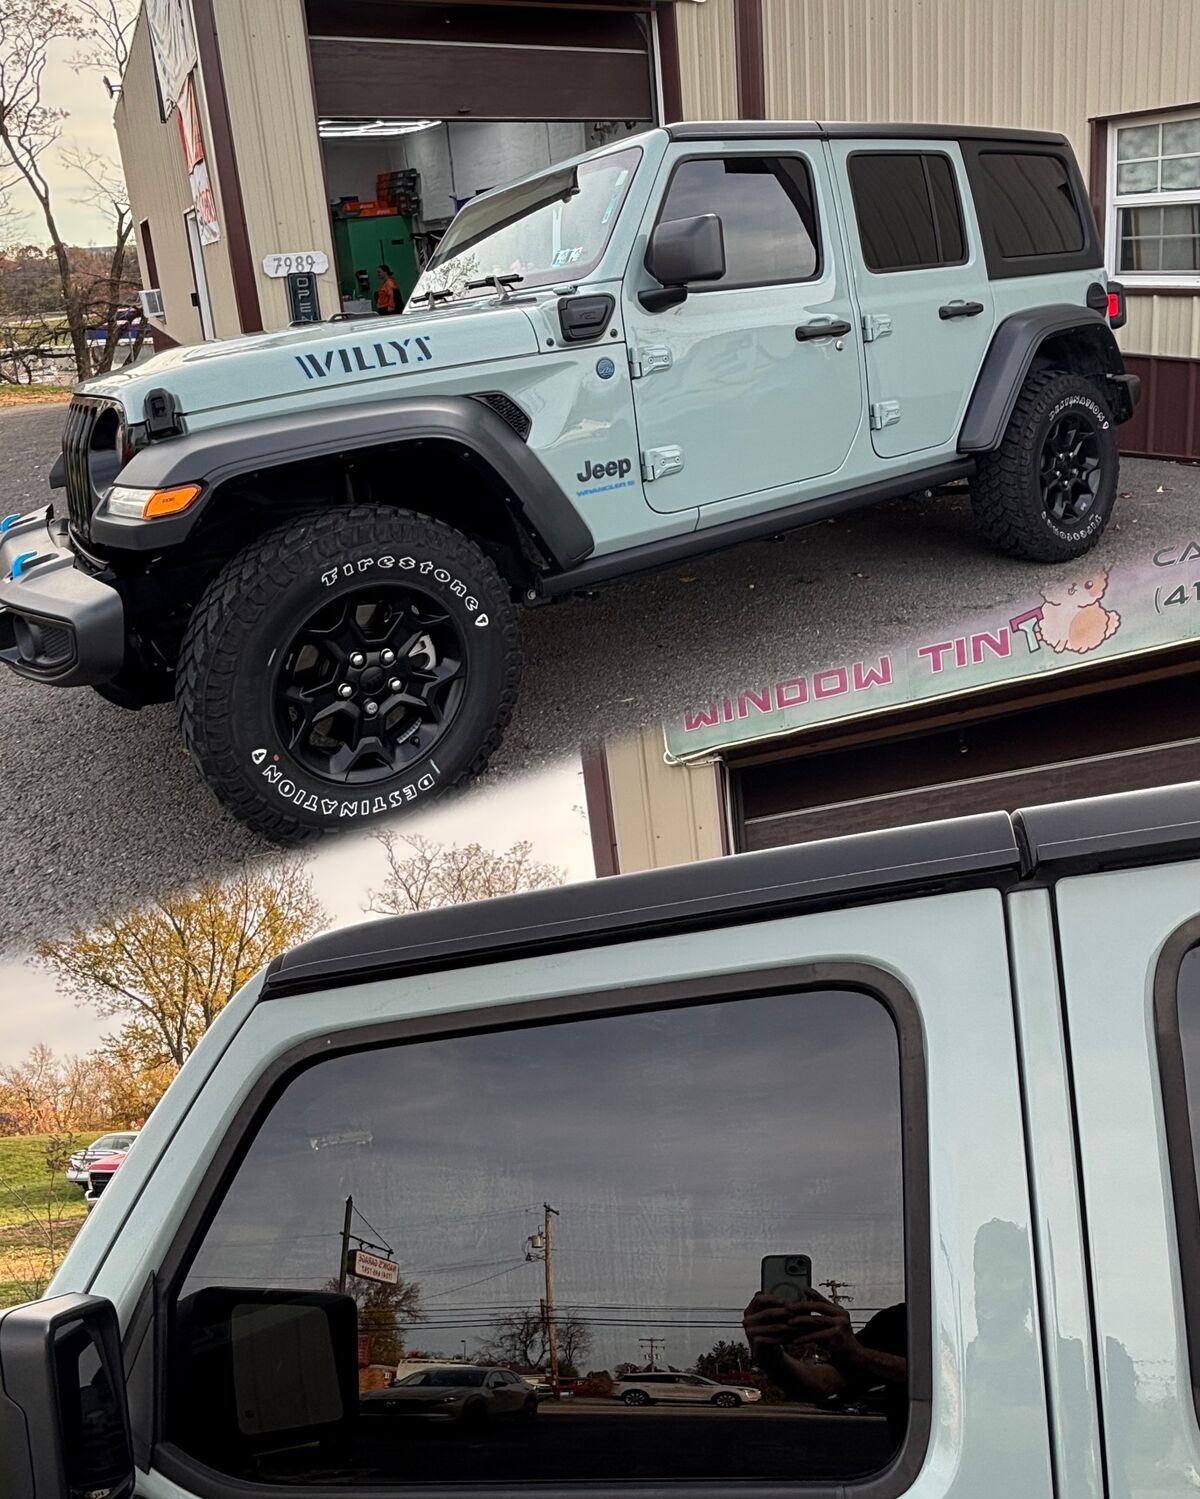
106 1145
468 1393
100 1173
653 1389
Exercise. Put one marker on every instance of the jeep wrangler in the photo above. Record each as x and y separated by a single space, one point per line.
315 540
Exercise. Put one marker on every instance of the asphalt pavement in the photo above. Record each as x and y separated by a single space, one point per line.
100 807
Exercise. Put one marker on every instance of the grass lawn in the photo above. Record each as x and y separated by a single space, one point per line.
39 1214
34 395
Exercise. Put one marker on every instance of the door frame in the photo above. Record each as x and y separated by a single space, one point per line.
202 297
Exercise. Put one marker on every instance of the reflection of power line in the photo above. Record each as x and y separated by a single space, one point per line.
837 1290
481 1281
654 1345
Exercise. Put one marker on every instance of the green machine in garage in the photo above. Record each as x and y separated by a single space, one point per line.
365 242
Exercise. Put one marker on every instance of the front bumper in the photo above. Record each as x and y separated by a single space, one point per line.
58 624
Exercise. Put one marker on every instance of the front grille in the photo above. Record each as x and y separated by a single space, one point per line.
508 411
99 1180
82 446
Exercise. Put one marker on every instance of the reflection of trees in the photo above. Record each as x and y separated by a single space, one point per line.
451 275
723 1358
382 1311
519 1339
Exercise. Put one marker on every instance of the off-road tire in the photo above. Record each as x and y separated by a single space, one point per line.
224 675
1006 492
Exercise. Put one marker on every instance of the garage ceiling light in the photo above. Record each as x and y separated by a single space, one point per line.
368 129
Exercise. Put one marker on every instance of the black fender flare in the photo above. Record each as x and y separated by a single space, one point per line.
215 455
1012 351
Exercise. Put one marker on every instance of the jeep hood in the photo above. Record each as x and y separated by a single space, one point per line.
322 361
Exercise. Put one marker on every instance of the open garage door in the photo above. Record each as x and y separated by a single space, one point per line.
483 62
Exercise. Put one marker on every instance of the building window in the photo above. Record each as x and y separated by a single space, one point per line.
692 1157
1154 185
907 208
767 213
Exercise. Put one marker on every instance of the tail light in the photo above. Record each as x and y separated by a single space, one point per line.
1116 305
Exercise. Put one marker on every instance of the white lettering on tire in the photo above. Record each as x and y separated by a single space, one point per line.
367 807
455 585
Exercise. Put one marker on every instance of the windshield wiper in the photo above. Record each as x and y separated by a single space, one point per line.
499 284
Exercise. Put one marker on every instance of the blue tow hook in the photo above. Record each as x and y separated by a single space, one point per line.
9 521
21 563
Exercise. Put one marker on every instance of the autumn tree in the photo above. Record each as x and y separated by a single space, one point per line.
45 1094
167 969
422 875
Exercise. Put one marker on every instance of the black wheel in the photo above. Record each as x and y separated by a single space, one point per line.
528 1411
635 1397
726 1399
347 666
1048 491
474 1418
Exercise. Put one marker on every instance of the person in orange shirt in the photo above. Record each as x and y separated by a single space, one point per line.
388 293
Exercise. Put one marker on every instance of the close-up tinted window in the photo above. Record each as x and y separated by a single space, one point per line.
907 208
1030 204
710 1199
766 208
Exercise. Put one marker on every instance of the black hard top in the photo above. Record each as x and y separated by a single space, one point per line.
732 130
992 848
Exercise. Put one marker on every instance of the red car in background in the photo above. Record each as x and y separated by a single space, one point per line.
100 1173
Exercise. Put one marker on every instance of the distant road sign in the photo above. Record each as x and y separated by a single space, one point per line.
374 1267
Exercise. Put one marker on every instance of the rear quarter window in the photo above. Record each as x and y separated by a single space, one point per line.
1032 209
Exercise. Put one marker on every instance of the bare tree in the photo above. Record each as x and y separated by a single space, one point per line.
105 297
29 127
108 26
422 874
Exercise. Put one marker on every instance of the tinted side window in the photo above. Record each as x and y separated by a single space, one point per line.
766 208
1030 203
646 1132
907 208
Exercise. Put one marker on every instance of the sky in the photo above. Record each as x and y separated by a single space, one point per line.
89 125
546 809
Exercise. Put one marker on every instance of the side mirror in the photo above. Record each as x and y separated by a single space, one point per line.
64 1417
682 251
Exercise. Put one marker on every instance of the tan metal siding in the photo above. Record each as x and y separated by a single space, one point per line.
1039 64
707 60
1163 325
662 814
264 57
152 157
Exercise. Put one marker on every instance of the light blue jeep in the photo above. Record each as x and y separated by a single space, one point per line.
315 540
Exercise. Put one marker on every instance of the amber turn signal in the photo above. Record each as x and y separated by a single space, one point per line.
170 501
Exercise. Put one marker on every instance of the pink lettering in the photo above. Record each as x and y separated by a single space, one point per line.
791 693
934 653
867 676
831 683
760 699
704 718
1027 623
999 644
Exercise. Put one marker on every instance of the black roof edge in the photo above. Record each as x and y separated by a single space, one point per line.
732 130
1104 832
714 892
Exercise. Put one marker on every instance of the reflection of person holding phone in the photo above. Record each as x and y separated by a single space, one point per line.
876 1355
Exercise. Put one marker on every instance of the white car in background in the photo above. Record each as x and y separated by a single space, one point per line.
107 1145
675 1388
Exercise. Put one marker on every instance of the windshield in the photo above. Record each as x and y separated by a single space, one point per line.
549 230
444 1377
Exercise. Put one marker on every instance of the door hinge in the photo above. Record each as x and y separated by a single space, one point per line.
657 462
884 414
647 361
876 325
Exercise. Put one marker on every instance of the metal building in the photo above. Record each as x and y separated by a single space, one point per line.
287 106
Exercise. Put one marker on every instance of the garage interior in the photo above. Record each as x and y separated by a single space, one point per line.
419 110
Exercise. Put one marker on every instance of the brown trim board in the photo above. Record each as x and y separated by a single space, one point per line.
229 182
1098 172
751 71
668 65
598 795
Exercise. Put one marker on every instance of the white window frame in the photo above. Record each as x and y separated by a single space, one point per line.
1144 280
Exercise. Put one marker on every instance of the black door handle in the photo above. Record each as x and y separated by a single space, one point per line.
960 309
821 330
